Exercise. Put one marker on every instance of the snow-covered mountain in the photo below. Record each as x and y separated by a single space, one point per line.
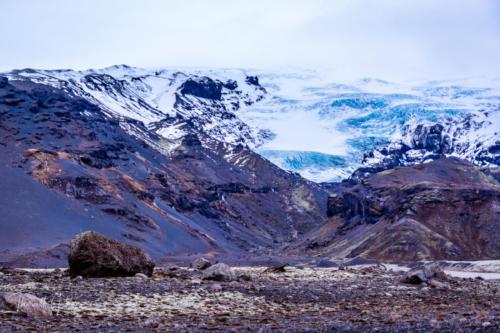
168 102
320 128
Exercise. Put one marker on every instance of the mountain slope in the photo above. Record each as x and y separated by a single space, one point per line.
191 195
179 163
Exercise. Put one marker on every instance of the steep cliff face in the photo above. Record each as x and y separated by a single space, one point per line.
191 195
445 209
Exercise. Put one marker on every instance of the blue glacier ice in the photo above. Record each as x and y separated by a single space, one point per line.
298 160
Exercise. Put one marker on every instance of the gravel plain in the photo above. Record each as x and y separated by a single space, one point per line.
301 299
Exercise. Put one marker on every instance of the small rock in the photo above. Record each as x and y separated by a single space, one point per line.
195 281
325 263
245 277
264 329
257 288
219 272
27 304
141 276
215 287
201 264
486 324
438 284
276 269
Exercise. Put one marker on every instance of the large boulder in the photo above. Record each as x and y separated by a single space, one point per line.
219 272
423 274
26 304
94 255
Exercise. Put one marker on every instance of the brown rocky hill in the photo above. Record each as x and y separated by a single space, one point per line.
445 209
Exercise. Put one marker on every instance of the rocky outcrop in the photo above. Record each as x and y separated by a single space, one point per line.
94 255
3 81
203 87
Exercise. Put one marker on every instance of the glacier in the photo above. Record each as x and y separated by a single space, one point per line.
303 121
326 130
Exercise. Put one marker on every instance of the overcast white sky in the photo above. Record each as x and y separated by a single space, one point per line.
392 39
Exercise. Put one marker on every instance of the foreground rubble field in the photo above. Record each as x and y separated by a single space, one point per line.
302 299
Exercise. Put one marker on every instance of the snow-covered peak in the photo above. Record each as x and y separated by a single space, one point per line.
170 102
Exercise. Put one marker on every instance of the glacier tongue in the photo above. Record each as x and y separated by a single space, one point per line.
301 121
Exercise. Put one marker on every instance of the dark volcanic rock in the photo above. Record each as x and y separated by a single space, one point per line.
203 87
252 80
231 85
3 81
94 255
431 138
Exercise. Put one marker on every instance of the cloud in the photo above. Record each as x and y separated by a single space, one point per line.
390 39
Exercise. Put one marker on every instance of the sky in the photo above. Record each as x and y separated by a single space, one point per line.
389 39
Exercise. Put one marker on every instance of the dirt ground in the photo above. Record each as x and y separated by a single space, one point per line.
302 299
